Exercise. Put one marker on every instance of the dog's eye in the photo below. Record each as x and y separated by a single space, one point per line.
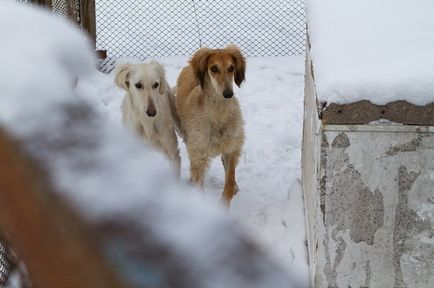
214 69
231 69
139 85
155 85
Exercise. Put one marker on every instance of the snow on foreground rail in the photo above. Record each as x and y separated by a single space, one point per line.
155 231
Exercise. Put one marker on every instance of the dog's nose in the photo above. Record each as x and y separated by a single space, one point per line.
228 93
151 111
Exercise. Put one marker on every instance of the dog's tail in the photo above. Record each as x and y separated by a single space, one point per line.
174 113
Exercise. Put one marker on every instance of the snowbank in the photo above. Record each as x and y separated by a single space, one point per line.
379 51
109 176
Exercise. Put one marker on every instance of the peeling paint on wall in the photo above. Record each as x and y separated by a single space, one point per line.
407 222
368 274
374 214
346 204
406 147
323 176
341 141
350 205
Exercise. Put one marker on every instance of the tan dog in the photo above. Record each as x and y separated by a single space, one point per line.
148 108
211 119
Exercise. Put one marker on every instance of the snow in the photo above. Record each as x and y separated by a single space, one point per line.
46 96
269 205
383 122
381 51
28 62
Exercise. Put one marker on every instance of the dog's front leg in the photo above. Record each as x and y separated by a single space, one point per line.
225 160
171 149
175 160
229 162
198 167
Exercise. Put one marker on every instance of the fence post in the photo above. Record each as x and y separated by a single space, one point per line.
47 3
87 17
53 242
88 23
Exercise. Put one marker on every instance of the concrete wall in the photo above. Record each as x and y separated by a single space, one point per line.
369 196
310 164
377 207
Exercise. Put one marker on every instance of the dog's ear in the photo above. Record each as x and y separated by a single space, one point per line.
162 74
240 64
122 74
199 62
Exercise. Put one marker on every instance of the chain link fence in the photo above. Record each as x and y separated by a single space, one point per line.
8 260
67 8
161 28
4 265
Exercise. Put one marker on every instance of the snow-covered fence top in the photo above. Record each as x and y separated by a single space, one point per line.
152 229
381 51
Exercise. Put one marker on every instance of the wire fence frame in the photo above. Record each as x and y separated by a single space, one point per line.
8 260
161 28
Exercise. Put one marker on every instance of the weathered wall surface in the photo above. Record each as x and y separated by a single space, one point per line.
310 163
369 199
375 222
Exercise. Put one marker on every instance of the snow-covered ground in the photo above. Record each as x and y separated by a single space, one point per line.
269 205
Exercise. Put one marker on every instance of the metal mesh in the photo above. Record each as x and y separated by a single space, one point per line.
67 8
21 1
4 265
161 28
7 261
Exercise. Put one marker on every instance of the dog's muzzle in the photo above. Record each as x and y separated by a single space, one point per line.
228 93
151 111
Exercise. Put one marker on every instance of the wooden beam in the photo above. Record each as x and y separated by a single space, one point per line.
363 112
54 243
88 19
47 3
101 54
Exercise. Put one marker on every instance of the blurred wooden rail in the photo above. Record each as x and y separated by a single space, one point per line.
56 246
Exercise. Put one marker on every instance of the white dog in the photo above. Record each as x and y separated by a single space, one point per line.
148 108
